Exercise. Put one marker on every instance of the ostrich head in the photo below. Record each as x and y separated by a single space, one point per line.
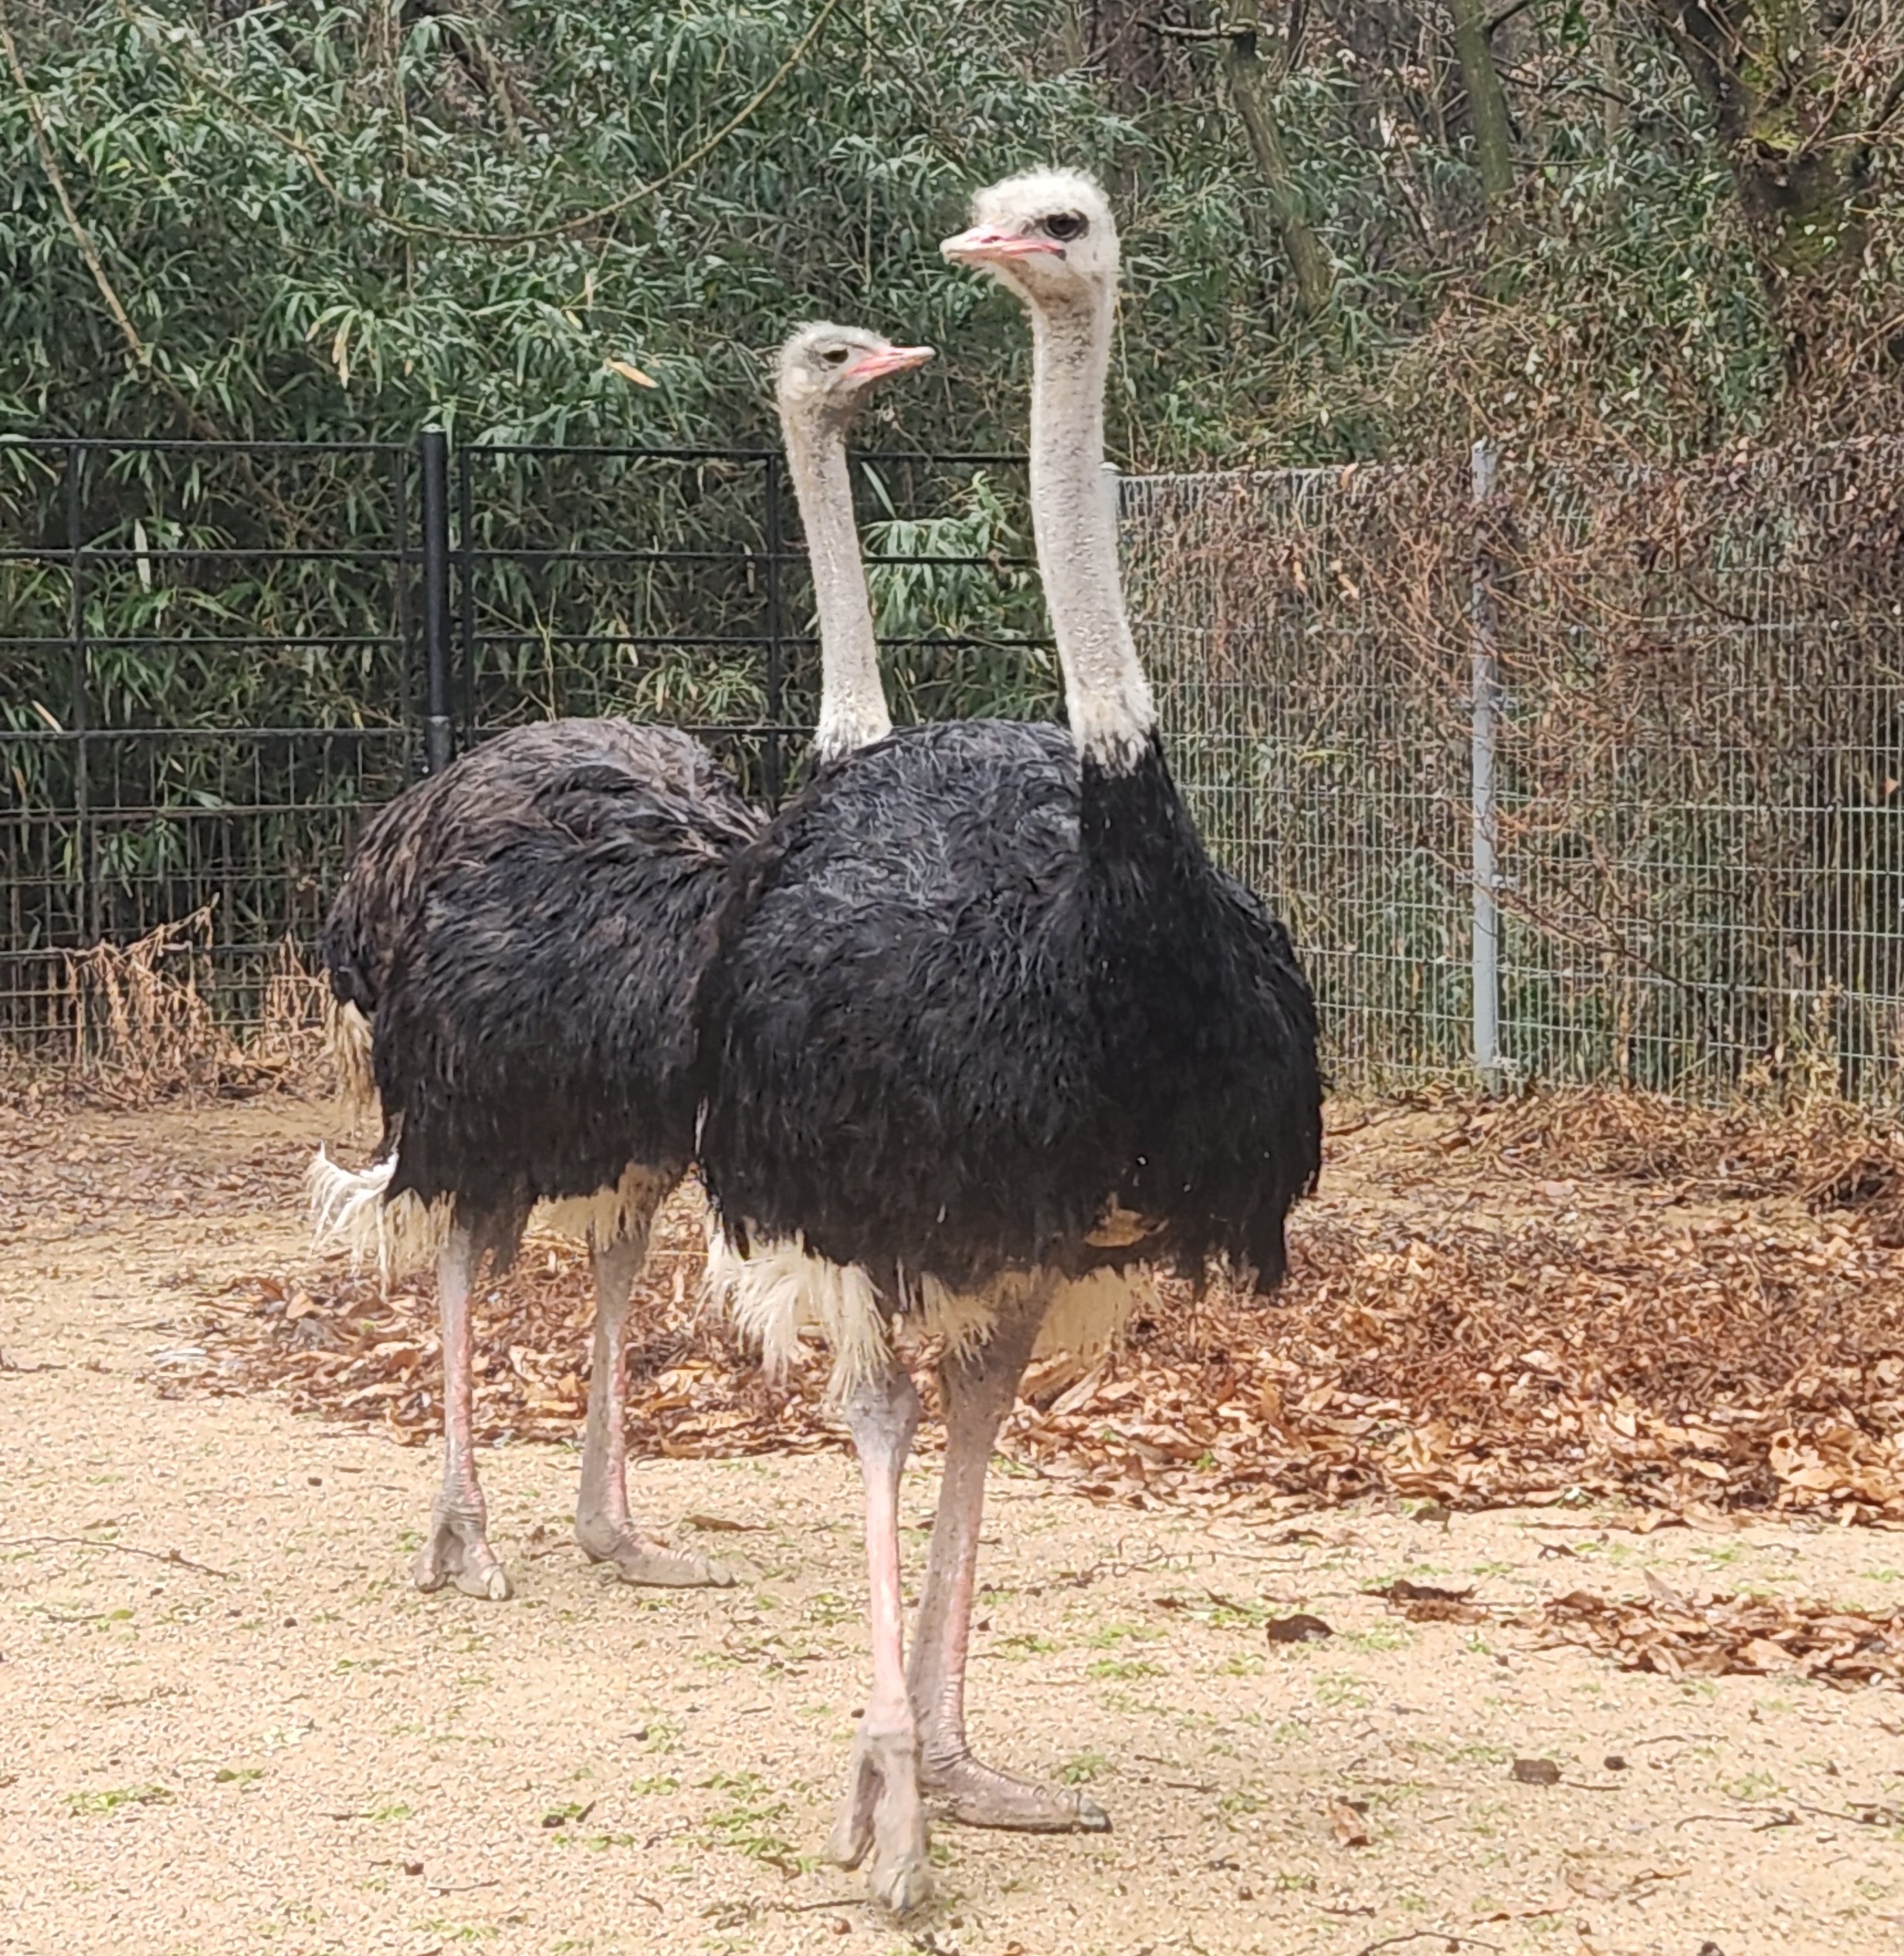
824 369
1048 235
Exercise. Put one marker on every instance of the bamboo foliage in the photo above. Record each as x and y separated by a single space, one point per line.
310 219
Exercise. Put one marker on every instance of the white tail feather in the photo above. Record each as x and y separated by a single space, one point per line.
349 1209
779 1288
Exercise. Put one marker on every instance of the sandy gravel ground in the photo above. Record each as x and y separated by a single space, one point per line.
276 1744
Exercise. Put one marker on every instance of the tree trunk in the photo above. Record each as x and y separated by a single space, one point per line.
1792 137
1487 103
1315 275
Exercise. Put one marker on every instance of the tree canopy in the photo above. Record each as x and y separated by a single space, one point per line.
1354 228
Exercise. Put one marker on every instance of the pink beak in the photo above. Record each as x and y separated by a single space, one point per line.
890 360
987 246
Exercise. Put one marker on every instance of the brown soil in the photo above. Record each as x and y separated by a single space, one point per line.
228 1723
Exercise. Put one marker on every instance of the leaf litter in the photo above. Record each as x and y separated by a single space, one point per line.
1729 1636
1530 1304
1606 1333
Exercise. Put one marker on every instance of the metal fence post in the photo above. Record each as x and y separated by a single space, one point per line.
776 676
464 704
1485 679
401 563
438 734
80 711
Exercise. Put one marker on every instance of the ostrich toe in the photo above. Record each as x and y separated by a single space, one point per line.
977 1795
882 1815
640 1559
456 1550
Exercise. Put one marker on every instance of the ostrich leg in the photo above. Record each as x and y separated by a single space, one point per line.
603 1526
881 1810
457 1549
977 1389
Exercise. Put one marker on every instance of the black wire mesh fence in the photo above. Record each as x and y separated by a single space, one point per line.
1563 775
215 659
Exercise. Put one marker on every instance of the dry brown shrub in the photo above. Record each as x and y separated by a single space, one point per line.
140 1030
1697 773
1825 1151
140 1027
295 1016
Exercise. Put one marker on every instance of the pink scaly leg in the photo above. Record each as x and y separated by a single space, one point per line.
882 1812
978 1390
457 1549
603 1525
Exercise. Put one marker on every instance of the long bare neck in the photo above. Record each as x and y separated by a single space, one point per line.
852 701
1107 698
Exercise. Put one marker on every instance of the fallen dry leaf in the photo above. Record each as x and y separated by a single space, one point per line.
1298 1628
1730 1636
1423 1602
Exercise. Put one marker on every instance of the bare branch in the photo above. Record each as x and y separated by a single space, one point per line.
171 1555
1497 22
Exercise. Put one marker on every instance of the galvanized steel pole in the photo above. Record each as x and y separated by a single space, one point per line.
1486 678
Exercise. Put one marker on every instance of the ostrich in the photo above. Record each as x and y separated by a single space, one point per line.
987 1036
514 952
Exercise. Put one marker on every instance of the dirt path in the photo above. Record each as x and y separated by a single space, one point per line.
276 1745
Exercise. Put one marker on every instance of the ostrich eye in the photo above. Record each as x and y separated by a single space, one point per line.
1065 226
835 356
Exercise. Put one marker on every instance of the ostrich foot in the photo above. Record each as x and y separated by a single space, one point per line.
881 1814
457 1550
638 1558
977 1795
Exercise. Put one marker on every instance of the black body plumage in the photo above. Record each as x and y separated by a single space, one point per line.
526 930
940 1036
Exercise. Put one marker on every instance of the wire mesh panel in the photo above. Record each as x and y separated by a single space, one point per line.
207 674
1313 739
1698 752
1701 828
215 659
674 586
613 581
